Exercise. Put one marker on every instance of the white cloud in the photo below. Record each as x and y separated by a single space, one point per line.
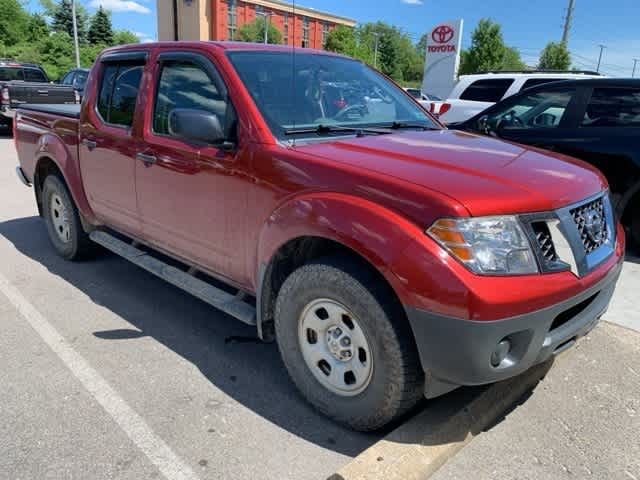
120 6
141 34
412 2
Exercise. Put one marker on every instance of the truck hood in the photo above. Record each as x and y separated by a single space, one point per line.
486 175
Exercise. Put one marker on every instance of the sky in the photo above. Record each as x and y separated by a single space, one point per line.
526 24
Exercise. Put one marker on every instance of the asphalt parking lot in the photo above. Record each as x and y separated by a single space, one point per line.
108 372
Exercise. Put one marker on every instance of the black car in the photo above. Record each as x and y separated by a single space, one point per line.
77 78
22 83
596 120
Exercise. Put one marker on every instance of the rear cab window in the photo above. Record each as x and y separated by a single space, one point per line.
613 107
489 90
35 75
8 74
118 93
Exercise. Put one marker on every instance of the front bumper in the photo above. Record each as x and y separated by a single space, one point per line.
456 352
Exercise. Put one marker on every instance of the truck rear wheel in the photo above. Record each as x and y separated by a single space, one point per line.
63 222
344 345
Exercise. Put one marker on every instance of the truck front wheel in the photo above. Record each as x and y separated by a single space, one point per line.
62 220
345 346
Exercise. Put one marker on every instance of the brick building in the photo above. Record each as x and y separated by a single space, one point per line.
221 19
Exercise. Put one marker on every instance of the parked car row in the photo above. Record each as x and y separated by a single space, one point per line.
475 93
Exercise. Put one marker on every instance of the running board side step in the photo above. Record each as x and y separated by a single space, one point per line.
228 303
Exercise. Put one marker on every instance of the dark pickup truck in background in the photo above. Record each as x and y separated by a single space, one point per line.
22 83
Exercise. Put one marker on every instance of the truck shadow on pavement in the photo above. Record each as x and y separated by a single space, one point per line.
224 350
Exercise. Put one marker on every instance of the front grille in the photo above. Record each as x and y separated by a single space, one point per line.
545 242
590 219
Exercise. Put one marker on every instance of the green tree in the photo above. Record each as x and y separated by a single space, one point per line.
512 60
13 22
122 37
62 18
421 46
555 56
488 51
37 28
254 32
342 39
100 30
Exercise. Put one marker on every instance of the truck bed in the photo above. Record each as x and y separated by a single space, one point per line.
63 110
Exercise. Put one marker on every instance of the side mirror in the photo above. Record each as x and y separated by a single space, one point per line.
483 124
196 125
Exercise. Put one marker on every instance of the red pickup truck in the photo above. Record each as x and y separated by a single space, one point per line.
307 195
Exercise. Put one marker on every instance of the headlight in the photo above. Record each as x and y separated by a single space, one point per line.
486 245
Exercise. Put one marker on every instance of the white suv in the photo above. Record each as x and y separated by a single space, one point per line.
474 93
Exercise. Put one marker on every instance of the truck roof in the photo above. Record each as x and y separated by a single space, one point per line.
226 45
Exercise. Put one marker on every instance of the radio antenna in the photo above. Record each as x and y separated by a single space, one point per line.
293 63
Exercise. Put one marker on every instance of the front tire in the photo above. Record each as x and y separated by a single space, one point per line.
346 344
63 221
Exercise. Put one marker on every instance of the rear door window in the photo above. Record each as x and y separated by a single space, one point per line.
613 107
34 75
490 90
119 87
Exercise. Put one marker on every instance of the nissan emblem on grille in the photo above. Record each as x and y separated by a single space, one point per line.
591 223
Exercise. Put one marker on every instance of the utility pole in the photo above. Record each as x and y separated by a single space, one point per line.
267 16
602 47
375 52
75 32
635 62
567 22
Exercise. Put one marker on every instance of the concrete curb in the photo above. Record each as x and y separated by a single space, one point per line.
418 448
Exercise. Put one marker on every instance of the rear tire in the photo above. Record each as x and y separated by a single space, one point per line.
63 221
334 317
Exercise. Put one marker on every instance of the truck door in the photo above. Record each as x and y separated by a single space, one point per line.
109 141
192 195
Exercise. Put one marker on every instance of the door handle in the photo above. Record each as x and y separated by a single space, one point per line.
43 92
90 144
147 158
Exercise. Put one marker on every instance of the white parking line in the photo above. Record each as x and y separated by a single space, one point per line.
158 452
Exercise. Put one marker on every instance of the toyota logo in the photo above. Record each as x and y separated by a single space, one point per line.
442 34
594 225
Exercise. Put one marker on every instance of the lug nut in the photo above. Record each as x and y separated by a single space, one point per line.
346 341
337 332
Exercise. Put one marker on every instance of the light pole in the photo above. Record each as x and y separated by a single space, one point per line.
375 51
266 16
635 62
75 32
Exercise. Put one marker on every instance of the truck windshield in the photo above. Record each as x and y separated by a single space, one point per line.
308 94
8 74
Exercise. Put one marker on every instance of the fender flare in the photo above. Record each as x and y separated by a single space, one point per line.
375 233
51 147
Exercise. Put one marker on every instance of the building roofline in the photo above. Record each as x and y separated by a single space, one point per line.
307 11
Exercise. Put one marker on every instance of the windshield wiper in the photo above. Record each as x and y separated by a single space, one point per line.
409 125
321 129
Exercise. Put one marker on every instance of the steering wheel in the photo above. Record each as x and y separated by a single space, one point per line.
349 109
509 120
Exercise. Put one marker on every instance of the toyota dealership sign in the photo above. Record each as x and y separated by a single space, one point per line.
443 58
